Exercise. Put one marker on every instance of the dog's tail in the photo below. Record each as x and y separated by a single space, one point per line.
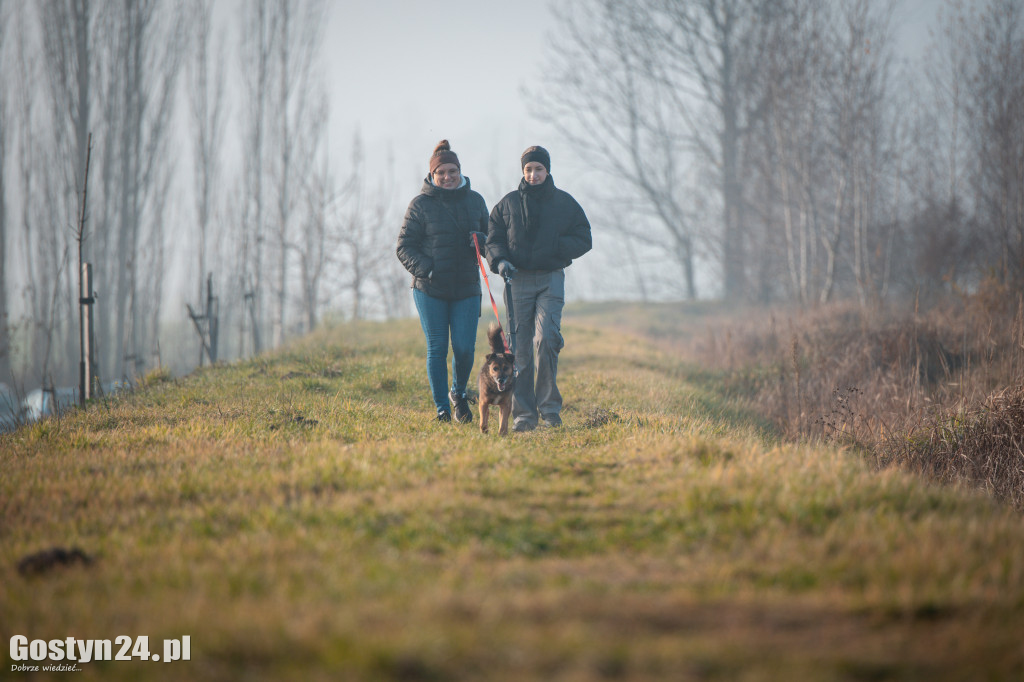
495 339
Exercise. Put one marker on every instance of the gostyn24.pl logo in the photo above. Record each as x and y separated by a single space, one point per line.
75 651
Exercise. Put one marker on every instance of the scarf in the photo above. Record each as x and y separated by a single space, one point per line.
533 197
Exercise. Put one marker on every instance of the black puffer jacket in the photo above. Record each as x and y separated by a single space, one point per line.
537 227
435 245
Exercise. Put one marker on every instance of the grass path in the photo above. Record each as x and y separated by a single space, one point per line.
300 518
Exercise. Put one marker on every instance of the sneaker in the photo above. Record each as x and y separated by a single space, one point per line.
462 413
553 421
520 427
444 416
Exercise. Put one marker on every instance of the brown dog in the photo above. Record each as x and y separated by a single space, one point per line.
497 381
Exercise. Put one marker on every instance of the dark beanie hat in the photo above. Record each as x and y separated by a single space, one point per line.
443 154
538 154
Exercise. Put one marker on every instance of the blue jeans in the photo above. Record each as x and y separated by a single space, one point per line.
439 319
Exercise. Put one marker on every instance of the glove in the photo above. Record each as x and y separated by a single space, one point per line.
481 237
506 269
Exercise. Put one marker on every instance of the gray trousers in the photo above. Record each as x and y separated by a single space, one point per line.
537 300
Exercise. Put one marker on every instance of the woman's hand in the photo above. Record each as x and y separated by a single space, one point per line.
481 238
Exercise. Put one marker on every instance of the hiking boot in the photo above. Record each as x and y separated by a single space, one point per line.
444 416
522 426
461 403
553 421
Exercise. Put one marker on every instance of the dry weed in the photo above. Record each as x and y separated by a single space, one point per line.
981 445
890 383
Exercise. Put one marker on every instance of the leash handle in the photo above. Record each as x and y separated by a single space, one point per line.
487 283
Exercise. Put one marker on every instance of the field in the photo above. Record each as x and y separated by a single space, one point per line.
300 517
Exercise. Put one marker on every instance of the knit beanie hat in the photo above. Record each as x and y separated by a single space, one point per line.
443 154
538 154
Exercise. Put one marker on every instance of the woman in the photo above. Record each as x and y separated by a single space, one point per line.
533 234
436 246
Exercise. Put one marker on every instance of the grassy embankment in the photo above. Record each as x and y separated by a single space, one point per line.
300 517
938 390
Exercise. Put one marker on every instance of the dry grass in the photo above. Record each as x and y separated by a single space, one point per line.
976 444
936 390
302 518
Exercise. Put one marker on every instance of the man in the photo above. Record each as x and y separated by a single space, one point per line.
533 234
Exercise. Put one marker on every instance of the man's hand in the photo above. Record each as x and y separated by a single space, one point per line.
506 269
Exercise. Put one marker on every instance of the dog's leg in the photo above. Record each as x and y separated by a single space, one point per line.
506 410
485 409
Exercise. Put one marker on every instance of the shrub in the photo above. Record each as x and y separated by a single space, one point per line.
982 445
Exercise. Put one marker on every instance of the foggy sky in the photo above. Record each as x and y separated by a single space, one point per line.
408 73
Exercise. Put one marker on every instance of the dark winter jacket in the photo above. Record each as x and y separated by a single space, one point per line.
434 244
537 227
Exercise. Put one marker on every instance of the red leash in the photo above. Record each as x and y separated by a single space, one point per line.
494 306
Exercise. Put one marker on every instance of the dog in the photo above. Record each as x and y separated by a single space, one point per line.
497 381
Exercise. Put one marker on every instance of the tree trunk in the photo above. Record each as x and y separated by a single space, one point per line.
733 237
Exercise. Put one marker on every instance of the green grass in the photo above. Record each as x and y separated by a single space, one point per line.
300 517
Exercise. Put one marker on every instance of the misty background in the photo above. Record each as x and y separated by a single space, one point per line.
251 160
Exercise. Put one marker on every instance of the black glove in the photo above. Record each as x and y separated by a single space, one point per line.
481 237
506 269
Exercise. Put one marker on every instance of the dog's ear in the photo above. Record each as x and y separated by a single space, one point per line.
491 356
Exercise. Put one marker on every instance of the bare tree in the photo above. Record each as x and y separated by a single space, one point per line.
604 96
53 151
823 155
710 50
152 41
286 118
857 106
44 224
356 236
792 146
206 97
312 243
392 285
105 202
667 88
996 114
24 75
968 174
259 32
299 115
938 234
947 70
67 27
389 278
